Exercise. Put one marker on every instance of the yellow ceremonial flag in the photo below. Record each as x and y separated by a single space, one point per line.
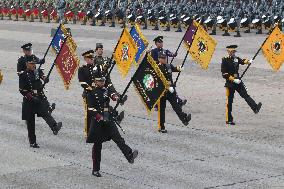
273 49
125 52
202 47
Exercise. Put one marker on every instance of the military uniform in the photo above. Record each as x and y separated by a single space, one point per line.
230 72
171 96
86 78
21 65
103 127
35 102
104 63
156 51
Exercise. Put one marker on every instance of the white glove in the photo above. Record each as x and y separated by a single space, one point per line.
181 68
171 89
251 61
237 81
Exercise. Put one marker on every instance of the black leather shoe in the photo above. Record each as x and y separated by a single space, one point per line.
179 30
167 29
155 28
132 156
226 33
184 102
57 128
230 123
259 32
258 108
247 31
213 32
163 130
187 120
34 145
96 173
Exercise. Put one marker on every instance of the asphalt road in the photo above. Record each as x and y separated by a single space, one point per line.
206 154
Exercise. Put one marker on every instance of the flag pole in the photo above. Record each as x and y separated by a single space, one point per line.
124 92
256 54
181 67
48 75
181 42
126 88
118 125
185 56
112 66
45 54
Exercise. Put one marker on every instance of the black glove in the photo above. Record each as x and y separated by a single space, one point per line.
42 61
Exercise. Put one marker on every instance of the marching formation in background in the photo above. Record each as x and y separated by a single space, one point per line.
153 79
228 16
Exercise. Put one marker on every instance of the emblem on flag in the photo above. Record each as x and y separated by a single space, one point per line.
125 52
150 83
276 47
67 62
199 44
273 48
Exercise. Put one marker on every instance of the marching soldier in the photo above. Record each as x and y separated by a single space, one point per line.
159 48
21 65
99 60
86 76
170 95
103 126
27 50
230 72
105 63
155 52
35 101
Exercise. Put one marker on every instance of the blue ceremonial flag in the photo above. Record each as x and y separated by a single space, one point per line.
140 41
59 38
